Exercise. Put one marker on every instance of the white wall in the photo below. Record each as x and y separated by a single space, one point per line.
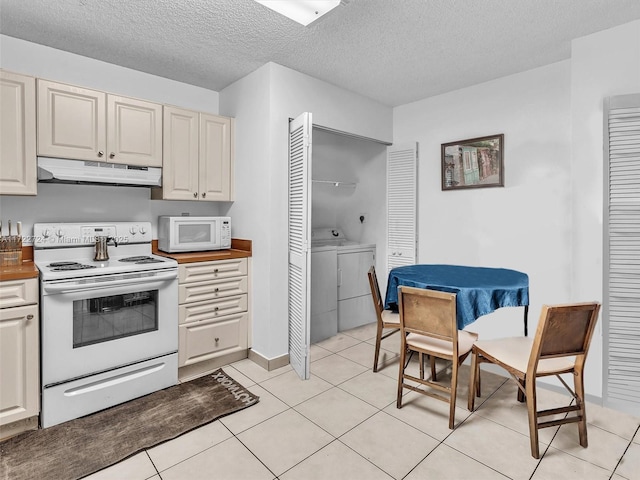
248 101
603 64
262 104
57 203
353 160
525 225
60 66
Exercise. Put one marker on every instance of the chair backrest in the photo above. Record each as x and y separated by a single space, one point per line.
564 330
428 312
375 292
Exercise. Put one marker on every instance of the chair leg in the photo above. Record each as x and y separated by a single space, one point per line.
377 352
474 379
521 396
578 382
421 360
530 386
433 368
478 379
454 390
403 355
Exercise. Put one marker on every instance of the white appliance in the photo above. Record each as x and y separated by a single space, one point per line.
340 293
193 234
109 329
62 170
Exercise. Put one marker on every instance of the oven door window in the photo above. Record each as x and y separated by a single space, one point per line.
102 319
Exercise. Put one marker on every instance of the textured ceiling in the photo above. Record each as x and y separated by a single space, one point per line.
393 51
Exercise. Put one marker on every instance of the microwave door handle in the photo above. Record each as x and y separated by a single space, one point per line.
63 288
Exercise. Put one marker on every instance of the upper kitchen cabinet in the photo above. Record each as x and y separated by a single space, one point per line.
84 124
198 156
18 175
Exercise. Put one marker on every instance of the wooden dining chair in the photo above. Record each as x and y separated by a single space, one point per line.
428 326
386 318
560 346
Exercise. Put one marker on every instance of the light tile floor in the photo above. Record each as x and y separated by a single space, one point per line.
343 424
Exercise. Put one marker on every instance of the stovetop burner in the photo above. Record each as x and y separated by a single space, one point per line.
141 259
69 253
64 266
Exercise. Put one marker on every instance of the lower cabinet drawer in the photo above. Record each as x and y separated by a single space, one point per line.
212 309
200 291
14 293
201 341
207 271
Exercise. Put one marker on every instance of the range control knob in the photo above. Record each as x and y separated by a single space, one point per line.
143 230
133 230
46 233
59 232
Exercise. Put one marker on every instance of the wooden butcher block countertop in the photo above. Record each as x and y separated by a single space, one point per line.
27 269
239 249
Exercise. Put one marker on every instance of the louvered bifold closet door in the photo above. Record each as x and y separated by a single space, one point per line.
299 238
621 311
402 196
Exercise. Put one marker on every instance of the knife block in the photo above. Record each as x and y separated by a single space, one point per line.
10 250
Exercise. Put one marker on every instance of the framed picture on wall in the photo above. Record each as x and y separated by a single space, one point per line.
473 163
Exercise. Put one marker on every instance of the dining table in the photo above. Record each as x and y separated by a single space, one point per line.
479 290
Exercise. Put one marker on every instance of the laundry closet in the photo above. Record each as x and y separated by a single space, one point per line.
348 223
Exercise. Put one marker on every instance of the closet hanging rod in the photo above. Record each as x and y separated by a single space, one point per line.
335 183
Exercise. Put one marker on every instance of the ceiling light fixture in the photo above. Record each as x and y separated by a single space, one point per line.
301 11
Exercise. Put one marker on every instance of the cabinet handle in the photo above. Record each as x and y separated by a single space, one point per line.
29 317
216 309
215 270
217 339
112 155
204 195
216 289
195 194
100 153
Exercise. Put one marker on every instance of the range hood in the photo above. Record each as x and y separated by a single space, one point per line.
61 170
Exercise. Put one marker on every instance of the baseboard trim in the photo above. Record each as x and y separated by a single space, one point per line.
268 363
14 428
189 372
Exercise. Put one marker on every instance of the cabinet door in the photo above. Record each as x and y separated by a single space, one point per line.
211 338
402 216
19 395
18 134
71 122
180 154
134 131
215 158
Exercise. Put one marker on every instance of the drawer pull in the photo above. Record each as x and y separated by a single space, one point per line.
29 317
216 289
217 339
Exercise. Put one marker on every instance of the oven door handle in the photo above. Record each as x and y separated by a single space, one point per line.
67 288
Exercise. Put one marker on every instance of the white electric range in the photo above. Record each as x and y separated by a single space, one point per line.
109 328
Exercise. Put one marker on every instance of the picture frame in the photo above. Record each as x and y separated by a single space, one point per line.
473 163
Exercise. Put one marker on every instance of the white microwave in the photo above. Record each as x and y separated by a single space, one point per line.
193 234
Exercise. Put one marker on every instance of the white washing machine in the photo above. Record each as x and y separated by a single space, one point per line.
324 293
346 277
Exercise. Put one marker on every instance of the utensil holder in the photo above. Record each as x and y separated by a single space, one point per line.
10 250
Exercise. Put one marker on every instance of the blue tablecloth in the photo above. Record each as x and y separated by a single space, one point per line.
479 290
